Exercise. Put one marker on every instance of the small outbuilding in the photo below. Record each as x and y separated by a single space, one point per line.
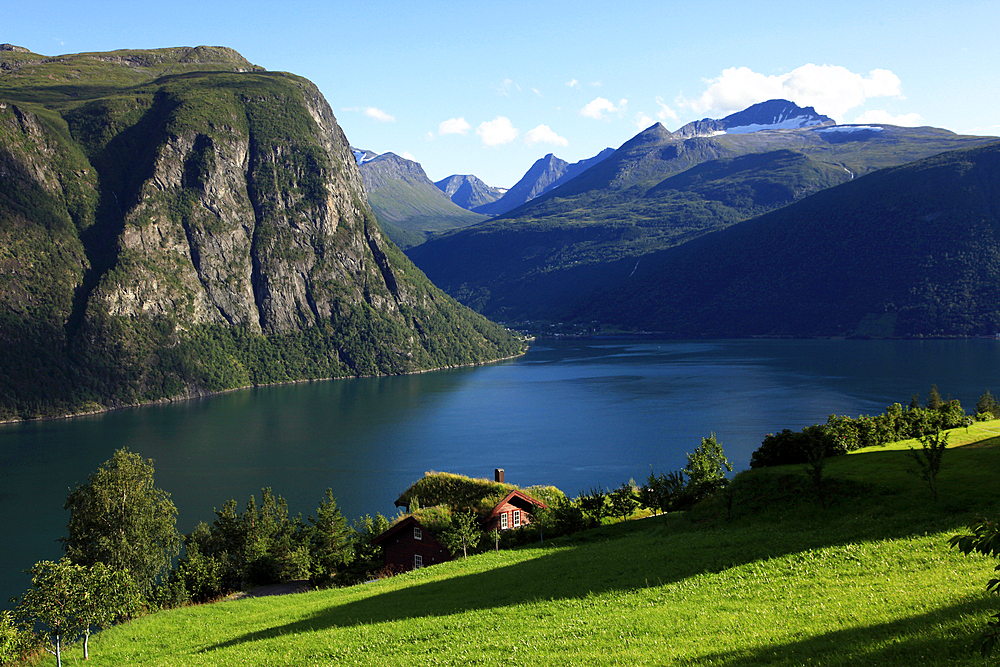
408 545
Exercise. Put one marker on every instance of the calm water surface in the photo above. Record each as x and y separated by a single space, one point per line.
573 413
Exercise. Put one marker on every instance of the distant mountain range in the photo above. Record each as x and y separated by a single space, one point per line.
406 202
659 190
468 191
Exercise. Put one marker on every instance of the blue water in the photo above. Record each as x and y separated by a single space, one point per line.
572 413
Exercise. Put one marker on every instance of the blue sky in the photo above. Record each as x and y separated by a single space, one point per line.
488 87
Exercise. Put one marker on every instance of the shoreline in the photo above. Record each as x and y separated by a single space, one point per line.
208 394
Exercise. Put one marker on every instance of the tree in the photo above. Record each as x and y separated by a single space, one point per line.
928 457
623 502
121 519
595 504
329 542
660 491
987 407
706 469
15 639
52 601
107 597
463 533
984 539
934 401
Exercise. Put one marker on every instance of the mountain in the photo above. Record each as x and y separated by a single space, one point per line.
468 191
406 202
906 251
658 190
544 175
180 221
770 115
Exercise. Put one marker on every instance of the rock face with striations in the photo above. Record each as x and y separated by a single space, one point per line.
200 224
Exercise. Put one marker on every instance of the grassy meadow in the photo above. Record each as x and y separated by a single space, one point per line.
766 577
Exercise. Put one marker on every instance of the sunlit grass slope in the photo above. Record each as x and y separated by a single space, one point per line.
770 578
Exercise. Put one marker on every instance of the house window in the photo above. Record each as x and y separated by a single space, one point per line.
517 518
418 561
417 533
503 521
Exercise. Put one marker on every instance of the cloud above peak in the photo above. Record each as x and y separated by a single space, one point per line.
497 131
830 89
454 126
598 107
543 134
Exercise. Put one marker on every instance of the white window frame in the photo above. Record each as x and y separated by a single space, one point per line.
517 518
418 561
417 533
503 521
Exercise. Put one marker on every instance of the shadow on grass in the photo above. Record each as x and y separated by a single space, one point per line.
780 520
932 638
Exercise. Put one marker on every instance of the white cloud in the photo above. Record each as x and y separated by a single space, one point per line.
665 112
377 114
543 134
537 92
885 118
497 131
507 86
407 155
573 83
454 126
597 107
831 89
642 121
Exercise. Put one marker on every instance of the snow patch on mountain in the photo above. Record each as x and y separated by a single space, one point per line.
851 128
779 123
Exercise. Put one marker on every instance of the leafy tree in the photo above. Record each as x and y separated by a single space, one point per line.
984 539
928 457
661 491
463 533
107 597
623 502
987 407
706 469
119 518
934 401
595 504
16 640
52 601
71 600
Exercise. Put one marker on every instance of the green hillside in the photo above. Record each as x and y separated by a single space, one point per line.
908 251
770 578
179 221
659 190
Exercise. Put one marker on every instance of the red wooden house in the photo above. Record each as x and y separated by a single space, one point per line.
512 512
409 546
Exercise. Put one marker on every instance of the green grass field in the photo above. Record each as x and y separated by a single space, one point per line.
772 579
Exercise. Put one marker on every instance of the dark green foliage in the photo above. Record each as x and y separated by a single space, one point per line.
594 504
706 470
623 502
928 458
984 539
463 533
661 492
789 447
119 518
987 407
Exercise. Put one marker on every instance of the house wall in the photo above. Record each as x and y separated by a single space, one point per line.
508 509
400 549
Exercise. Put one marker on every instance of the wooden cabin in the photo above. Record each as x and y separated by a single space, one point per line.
410 546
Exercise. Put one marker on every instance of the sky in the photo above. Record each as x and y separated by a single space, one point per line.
487 88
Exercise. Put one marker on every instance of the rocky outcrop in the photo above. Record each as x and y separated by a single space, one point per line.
198 211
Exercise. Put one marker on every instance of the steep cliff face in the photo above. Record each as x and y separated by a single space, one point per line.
195 232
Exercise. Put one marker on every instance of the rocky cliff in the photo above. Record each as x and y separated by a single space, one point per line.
178 221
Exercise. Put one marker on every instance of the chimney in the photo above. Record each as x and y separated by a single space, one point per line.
498 475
